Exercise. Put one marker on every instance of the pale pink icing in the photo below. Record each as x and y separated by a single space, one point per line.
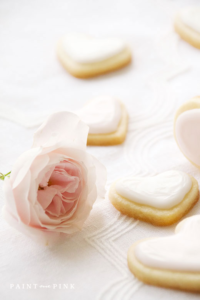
178 252
187 130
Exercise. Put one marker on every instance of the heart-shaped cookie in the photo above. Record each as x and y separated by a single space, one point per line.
161 200
187 130
187 25
107 119
84 56
172 261
102 114
191 17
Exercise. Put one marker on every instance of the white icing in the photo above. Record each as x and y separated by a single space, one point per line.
84 49
102 114
191 17
180 252
163 191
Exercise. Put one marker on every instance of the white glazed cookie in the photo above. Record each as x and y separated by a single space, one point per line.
172 261
187 25
187 130
160 200
107 119
83 56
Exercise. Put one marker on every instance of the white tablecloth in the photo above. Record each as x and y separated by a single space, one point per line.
165 73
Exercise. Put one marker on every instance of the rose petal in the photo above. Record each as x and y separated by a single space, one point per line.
101 177
22 166
21 192
45 237
54 207
70 183
46 196
62 127
10 204
46 177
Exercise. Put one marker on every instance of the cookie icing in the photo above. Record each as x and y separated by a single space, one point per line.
102 115
187 131
180 252
191 17
84 49
163 191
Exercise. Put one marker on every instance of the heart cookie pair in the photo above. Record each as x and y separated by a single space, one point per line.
83 56
174 261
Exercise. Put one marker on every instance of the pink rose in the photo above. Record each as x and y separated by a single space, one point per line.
54 185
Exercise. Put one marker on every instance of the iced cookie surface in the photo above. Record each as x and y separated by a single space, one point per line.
107 119
83 56
160 200
172 261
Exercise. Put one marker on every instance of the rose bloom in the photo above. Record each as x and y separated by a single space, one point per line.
54 185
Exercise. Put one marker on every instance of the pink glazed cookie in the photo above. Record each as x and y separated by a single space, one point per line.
187 130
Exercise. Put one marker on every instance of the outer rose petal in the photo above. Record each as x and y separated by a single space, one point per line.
62 137
62 127
10 200
22 165
101 178
41 236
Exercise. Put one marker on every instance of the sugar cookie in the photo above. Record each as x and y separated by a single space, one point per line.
160 200
172 261
83 56
187 25
107 119
187 130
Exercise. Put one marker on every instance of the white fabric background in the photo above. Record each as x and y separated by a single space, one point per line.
165 73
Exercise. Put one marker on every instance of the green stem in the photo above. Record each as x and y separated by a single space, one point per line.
3 176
